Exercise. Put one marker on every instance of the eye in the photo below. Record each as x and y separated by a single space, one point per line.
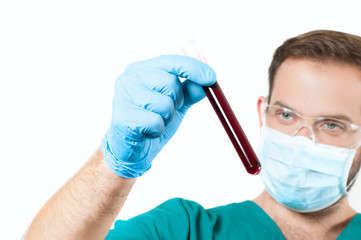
285 115
333 127
281 115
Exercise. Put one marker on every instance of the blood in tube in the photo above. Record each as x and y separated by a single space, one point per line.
233 128
226 116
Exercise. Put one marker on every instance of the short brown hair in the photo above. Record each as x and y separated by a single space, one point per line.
320 45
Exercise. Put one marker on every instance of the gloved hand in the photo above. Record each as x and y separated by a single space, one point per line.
148 106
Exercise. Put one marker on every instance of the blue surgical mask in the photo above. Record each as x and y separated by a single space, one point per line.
300 174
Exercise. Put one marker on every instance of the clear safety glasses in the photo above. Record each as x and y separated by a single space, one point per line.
325 130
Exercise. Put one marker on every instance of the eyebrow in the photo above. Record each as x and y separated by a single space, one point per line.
282 104
335 116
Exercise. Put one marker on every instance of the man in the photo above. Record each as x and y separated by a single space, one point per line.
309 150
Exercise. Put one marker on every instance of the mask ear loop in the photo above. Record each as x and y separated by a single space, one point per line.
348 186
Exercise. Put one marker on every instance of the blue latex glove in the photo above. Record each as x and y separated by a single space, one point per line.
148 106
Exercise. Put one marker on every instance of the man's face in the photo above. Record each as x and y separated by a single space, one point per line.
316 89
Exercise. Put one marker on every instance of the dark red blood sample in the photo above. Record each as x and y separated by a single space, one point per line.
233 128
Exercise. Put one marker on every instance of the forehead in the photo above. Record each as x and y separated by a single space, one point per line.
316 88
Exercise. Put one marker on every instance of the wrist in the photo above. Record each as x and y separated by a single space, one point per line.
101 166
128 164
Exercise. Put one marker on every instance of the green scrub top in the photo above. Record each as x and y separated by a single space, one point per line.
183 219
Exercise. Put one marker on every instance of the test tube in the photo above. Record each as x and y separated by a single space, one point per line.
225 114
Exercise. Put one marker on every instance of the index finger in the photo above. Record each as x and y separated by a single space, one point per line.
185 67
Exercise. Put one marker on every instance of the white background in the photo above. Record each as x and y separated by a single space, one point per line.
58 64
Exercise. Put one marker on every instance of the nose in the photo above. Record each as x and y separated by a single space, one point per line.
305 132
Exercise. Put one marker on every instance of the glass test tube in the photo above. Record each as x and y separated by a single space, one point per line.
225 114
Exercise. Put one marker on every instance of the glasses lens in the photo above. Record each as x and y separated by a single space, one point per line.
281 119
325 130
336 133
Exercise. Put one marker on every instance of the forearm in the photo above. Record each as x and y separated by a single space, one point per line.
85 207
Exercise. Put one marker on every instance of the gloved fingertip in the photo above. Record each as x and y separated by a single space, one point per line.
193 93
211 77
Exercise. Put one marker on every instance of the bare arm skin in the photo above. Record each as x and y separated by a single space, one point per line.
85 207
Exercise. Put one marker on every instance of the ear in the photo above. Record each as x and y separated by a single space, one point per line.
259 110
